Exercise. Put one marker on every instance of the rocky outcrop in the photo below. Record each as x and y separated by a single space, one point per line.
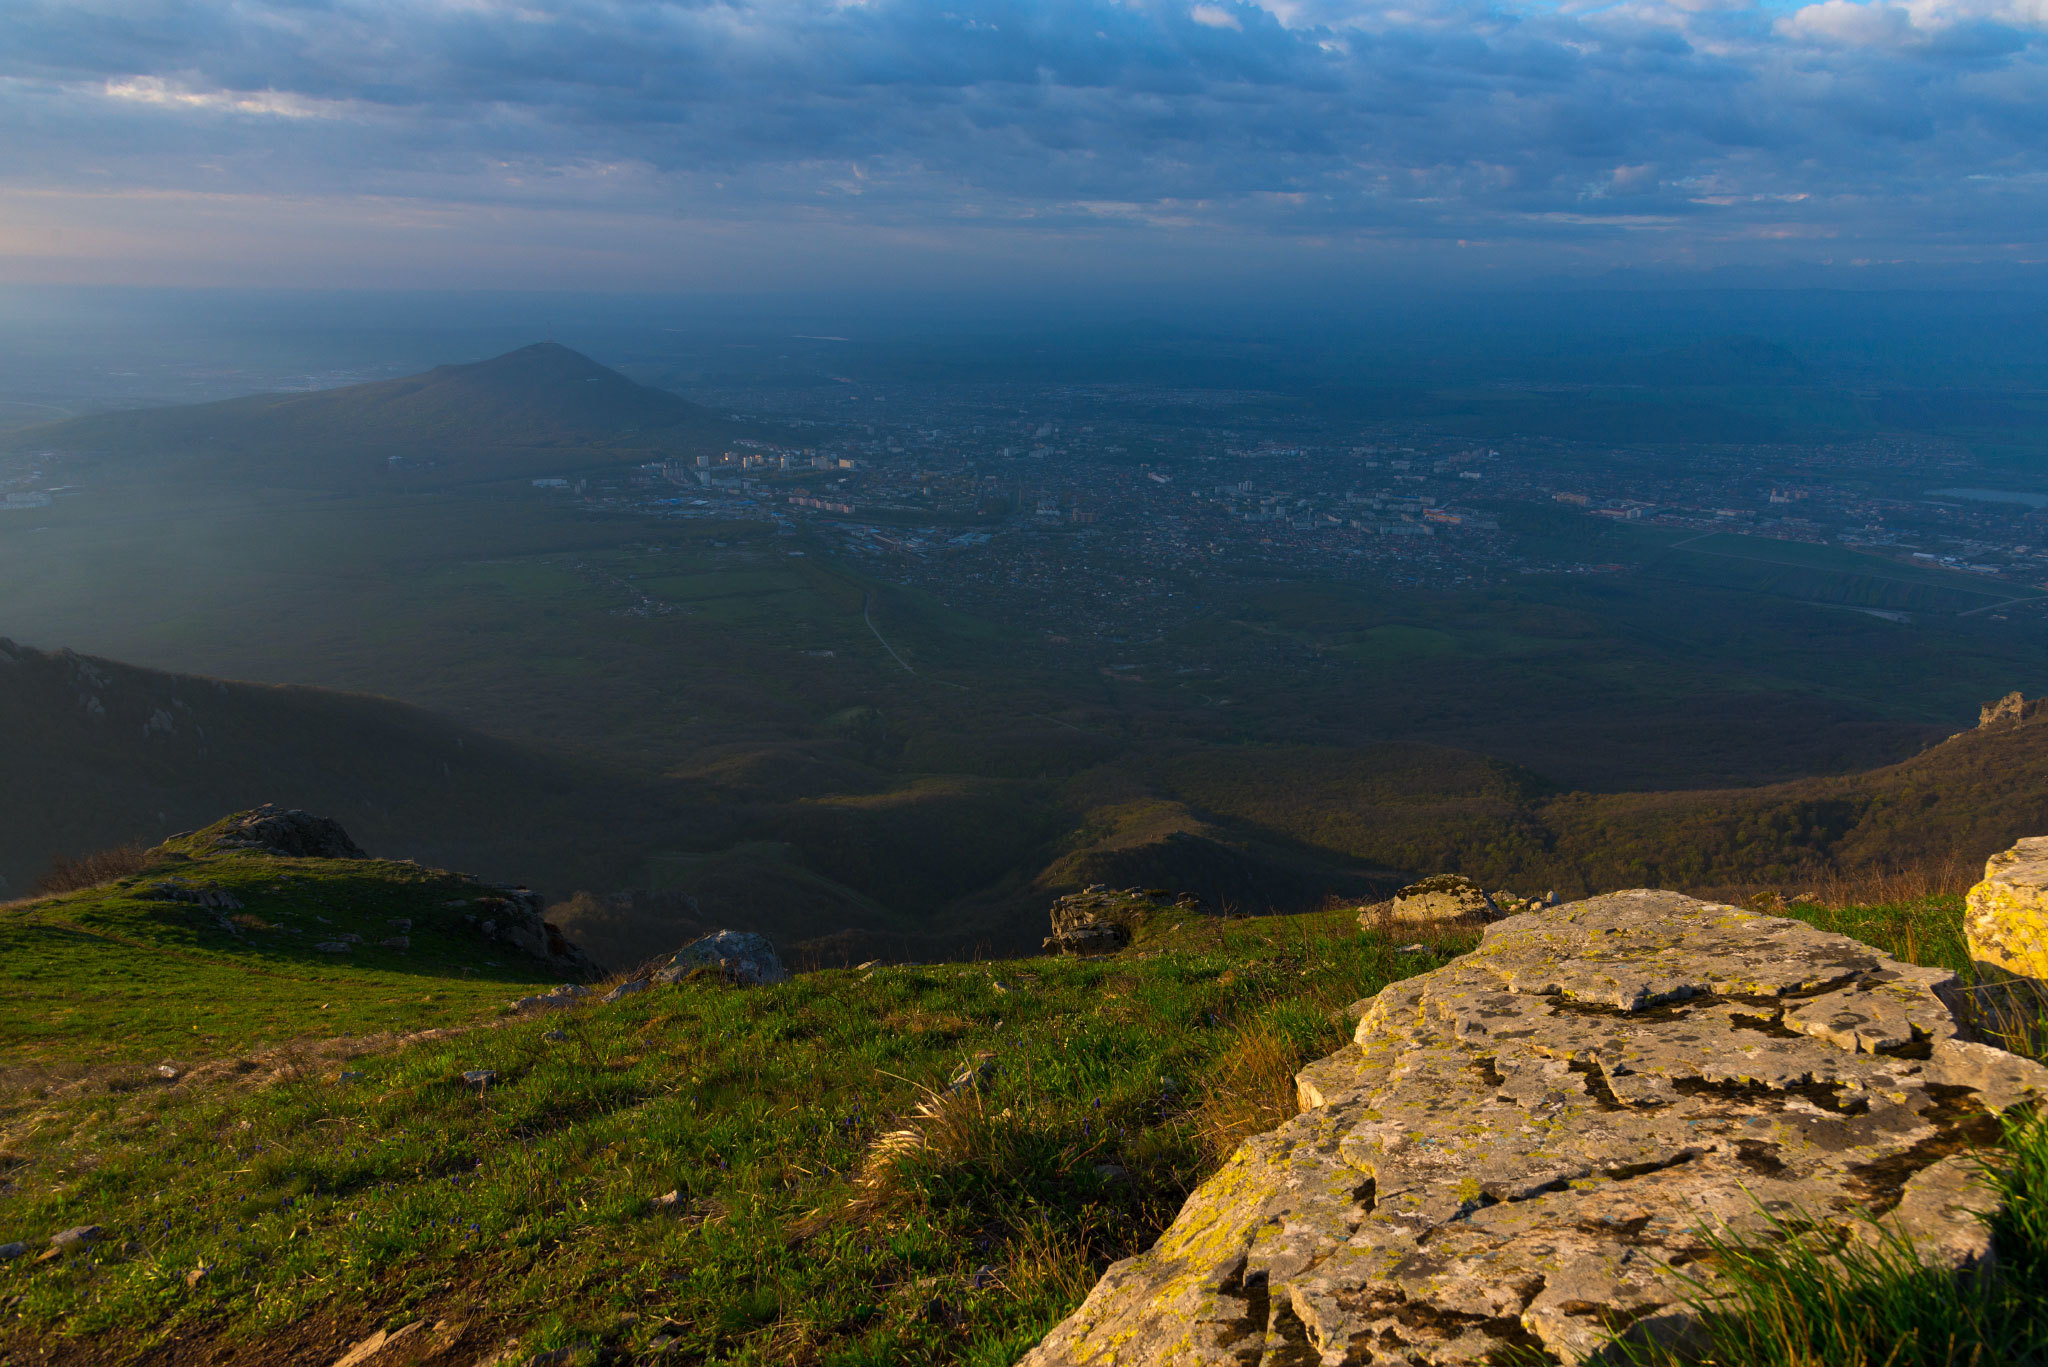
1520 1149
1101 920
513 915
740 957
2005 917
2010 710
294 834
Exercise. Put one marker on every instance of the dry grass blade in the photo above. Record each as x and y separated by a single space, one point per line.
91 870
1250 1090
949 1126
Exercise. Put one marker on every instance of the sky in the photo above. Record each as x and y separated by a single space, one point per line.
788 145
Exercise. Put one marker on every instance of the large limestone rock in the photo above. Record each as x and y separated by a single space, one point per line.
2006 915
1521 1146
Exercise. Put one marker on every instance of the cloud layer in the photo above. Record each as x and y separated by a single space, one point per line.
633 135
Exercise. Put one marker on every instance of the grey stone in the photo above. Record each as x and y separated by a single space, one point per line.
1101 920
295 834
625 989
740 957
78 1236
178 890
480 1078
334 947
566 995
1523 1147
514 917
396 942
1446 897
10 1251
973 1076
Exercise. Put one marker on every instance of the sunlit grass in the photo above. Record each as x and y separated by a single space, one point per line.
1105 1091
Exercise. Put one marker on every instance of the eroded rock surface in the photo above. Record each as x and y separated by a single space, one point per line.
1521 1145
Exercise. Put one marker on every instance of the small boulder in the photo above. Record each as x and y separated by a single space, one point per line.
480 1078
334 947
1445 897
10 1251
400 942
741 957
625 989
78 1236
2005 917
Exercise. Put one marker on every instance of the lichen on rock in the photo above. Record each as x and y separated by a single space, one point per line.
1102 920
2006 916
1522 1149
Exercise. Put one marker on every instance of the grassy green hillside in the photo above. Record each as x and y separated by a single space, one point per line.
277 1206
699 1173
121 975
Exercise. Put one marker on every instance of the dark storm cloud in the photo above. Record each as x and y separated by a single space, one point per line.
1689 123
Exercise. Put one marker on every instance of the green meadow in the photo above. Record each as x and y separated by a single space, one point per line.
892 1163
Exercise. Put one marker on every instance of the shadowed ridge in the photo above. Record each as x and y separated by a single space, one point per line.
100 753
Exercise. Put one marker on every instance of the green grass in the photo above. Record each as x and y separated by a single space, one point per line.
108 976
323 1205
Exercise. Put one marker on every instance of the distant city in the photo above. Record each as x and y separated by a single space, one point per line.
1061 510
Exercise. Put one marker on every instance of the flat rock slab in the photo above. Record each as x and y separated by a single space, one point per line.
1521 1146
